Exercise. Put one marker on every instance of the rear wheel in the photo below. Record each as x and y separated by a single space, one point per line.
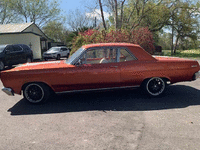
154 86
36 92
58 57
28 60
2 66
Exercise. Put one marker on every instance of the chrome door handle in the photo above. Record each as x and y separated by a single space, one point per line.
113 66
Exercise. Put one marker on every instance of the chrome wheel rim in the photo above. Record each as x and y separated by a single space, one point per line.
34 93
155 86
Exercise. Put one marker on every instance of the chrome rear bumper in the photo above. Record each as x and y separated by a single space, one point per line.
196 75
8 91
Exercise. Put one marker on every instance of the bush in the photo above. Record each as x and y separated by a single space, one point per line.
141 36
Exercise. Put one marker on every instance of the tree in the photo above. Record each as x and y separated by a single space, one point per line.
164 40
78 20
141 36
102 14
37 11
115 7
56 31
185 23
7 15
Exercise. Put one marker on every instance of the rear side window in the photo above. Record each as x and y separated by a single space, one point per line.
26 48
125 55
17 48
64 49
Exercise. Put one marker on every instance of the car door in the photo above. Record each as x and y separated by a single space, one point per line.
9 55
131 69
64 52
19 54
90 72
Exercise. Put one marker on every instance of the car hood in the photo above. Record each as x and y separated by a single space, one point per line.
41 65
50 52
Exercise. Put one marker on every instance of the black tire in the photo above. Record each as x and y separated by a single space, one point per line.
36 93
67 56
45 59
58 57
2 66
154 86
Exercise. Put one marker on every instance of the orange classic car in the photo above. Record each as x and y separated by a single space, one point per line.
99 66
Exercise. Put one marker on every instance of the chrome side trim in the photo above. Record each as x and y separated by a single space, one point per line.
194 66
99 89
8 91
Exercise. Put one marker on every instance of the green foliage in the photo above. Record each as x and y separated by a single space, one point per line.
37 11
56 31
194 53
7 14
165 41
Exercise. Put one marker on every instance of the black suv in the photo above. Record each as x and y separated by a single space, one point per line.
14 54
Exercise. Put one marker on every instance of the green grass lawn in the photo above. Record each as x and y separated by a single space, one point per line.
194 53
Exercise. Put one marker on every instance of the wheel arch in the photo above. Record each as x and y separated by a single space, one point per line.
166 79
40 82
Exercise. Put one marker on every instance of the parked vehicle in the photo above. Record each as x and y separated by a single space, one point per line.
14 54
99 66
56 53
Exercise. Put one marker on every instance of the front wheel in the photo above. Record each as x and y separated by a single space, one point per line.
2 66
36 93
58 57
154 86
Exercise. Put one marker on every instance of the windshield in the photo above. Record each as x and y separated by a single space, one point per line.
2 47
53 49
74 56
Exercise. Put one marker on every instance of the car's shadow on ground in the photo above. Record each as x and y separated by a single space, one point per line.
176 96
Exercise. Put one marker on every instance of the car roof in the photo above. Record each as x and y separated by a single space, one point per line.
13 44
110 44
137 50
59 47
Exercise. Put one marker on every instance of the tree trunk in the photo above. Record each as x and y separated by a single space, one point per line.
122 13
175 47
116 15
102 15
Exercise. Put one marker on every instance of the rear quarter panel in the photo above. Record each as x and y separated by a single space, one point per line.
135 72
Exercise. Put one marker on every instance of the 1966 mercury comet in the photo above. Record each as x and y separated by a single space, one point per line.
99 66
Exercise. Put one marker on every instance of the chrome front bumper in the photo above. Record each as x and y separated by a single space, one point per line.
8 91
196 75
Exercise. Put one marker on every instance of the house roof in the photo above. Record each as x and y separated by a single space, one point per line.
21 29
14 28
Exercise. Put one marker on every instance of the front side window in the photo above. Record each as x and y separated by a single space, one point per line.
99 56
9 49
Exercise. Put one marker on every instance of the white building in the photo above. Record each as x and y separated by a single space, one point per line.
27 33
